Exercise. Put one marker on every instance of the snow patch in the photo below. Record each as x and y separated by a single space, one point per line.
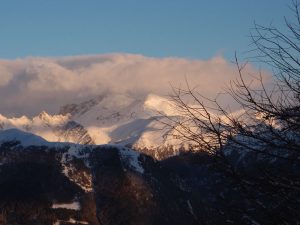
76 151
80 177
132 157
190 207
73 205
73 221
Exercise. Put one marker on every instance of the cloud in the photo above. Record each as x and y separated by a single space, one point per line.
6 76
30 85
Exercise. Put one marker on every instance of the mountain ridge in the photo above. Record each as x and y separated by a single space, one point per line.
110 119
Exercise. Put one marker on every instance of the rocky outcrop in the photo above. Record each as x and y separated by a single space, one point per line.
73 132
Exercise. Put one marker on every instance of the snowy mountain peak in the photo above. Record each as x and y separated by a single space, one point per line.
43 114
159 104
53 120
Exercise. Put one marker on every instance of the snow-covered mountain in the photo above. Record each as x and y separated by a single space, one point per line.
109 119
57 128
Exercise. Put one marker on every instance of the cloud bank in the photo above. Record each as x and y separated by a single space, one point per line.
30 85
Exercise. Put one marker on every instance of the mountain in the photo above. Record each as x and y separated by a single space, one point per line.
113 119
57 128
63 183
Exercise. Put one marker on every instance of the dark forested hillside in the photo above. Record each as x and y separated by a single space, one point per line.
111 185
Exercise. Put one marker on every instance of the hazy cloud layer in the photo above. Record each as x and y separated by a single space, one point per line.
30 85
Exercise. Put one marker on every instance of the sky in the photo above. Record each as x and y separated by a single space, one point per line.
59 52
195 29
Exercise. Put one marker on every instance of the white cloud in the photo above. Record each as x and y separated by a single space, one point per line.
30 85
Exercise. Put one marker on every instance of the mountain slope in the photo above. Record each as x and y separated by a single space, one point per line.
63 183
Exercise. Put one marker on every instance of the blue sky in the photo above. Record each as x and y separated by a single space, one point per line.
197 29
